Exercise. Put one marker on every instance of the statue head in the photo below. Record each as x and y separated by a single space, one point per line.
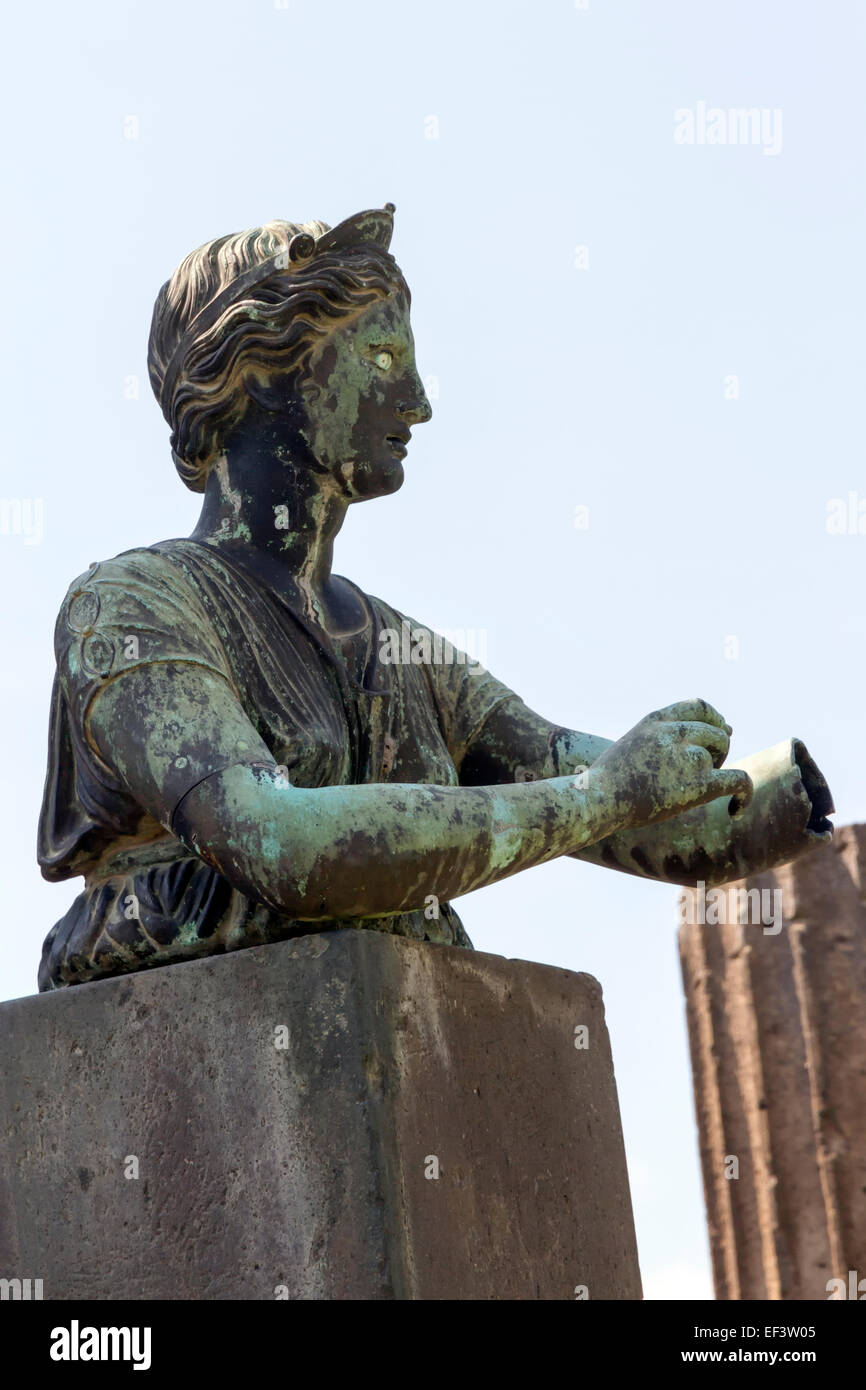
303 326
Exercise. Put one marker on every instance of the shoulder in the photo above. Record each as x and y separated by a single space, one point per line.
134 579
386 616
143 565
141 602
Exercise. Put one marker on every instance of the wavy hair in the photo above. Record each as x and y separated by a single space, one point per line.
274 326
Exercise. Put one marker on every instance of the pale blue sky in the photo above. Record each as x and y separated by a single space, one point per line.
558 387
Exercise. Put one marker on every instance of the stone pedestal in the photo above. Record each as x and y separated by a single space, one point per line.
344 1116
777 1029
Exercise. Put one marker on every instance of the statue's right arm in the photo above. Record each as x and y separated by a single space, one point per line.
179 739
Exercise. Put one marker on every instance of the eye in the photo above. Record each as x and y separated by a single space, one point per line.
383 360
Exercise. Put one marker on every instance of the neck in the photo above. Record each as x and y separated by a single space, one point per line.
272 507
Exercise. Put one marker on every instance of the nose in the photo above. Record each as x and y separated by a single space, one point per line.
413 406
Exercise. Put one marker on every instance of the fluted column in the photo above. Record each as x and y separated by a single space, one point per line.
774 969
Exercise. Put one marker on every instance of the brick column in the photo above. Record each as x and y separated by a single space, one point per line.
776 1015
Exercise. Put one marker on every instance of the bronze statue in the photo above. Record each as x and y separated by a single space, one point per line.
240 751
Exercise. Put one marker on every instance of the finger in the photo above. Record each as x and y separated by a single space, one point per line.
736 784
700 757
699 710
707 736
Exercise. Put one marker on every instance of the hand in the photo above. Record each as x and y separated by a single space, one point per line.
669 762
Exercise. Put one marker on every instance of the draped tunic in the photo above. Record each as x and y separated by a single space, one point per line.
327 719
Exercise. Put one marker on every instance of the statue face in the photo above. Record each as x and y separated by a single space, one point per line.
362 394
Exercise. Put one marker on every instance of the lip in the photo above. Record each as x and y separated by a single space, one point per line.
397 444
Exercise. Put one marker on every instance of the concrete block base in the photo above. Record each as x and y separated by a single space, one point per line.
347 1115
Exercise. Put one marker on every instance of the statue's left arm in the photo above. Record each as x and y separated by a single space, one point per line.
713 843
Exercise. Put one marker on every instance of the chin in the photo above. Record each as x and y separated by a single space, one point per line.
378 479
395 477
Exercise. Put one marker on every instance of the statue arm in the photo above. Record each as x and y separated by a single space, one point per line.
787 814
180 741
